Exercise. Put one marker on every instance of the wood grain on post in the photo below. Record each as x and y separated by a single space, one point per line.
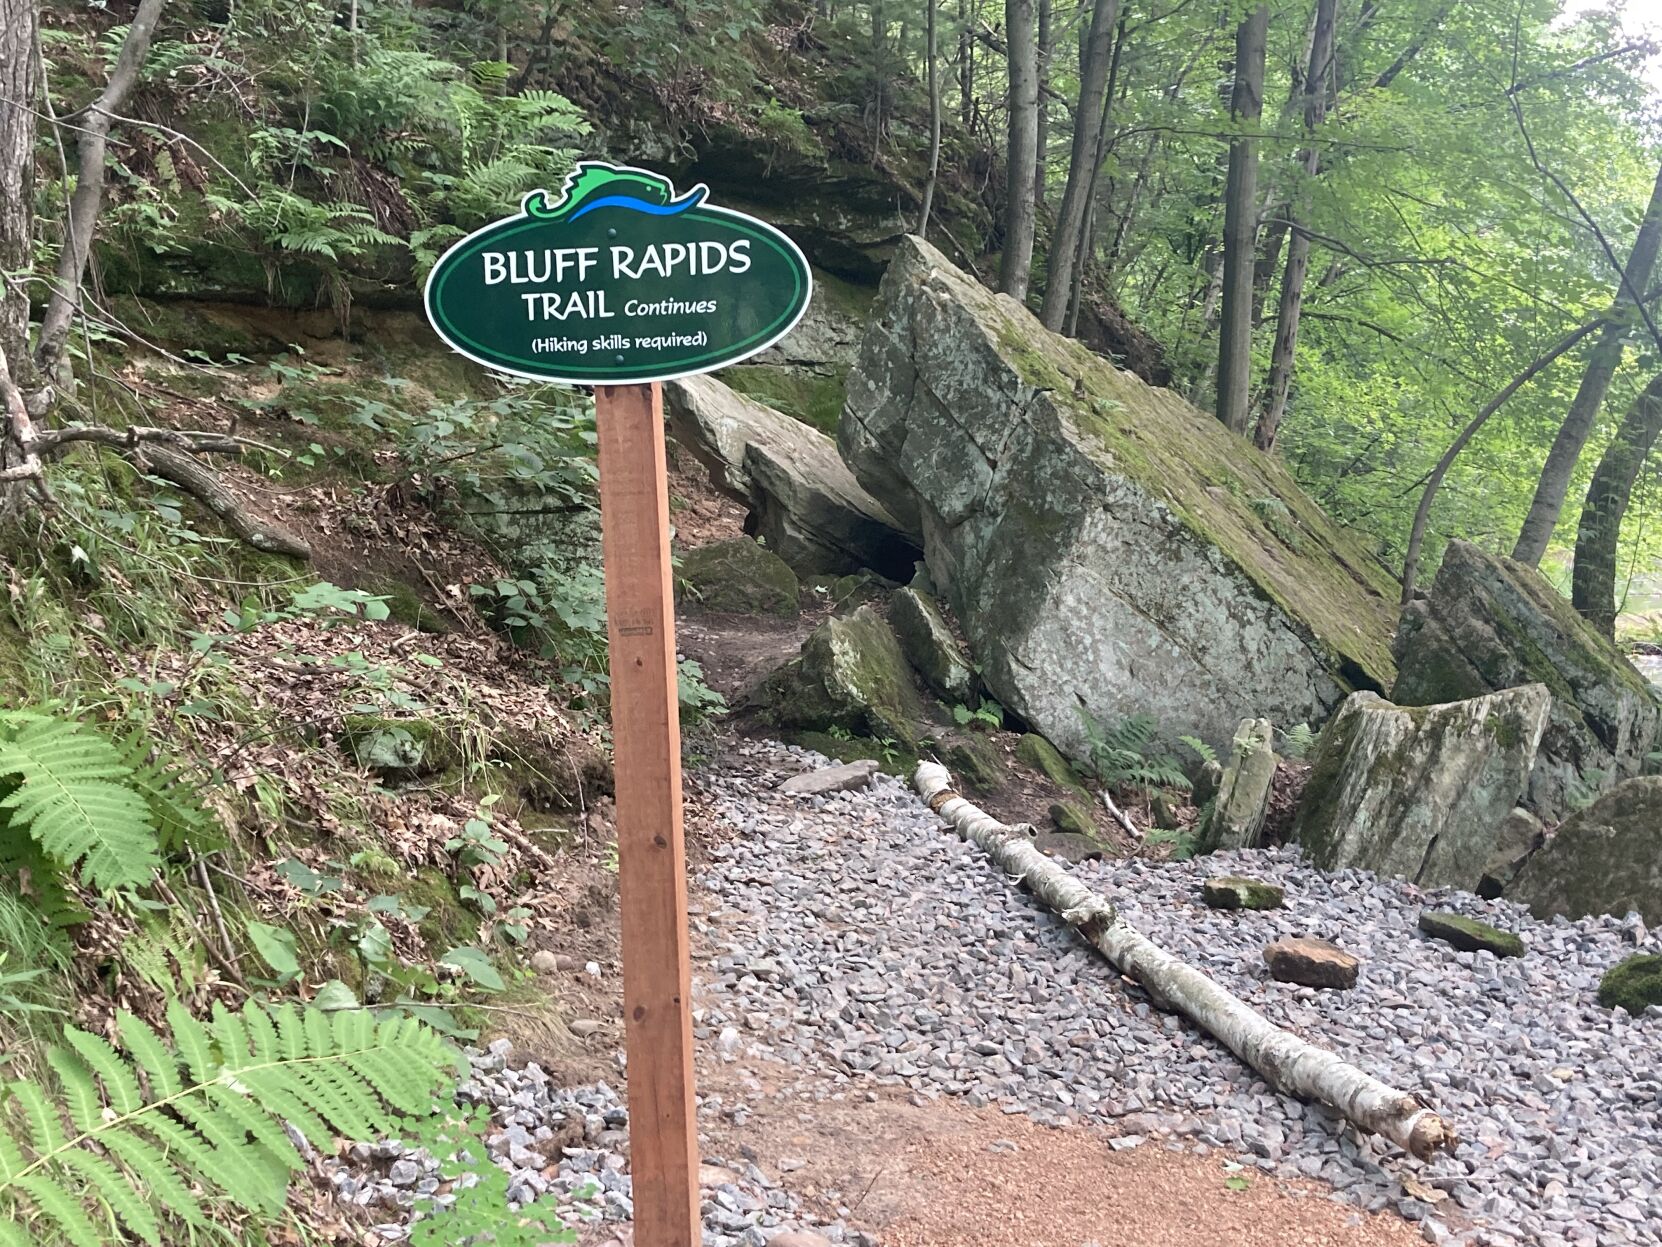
652 872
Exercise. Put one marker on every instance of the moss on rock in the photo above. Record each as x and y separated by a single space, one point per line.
1071 816
814 398
739 576
1469 935
1634 984
974 763
1236 892
852 676
1046 759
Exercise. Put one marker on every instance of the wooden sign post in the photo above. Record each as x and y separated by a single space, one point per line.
620 283
652 873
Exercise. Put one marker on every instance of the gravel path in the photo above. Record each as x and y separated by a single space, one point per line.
862 945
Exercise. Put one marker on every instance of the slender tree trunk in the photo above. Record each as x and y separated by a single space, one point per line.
1240 224
92 126
1016 263
1593 582
934 122
1298 242
1287 1062
1047 46
19 92
879 73
1086 251
1602 363
966 68
1089 121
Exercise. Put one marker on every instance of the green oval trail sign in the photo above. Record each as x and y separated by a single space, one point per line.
619 281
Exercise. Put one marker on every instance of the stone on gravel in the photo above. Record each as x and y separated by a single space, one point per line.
1311 963
1419 793
851 675
799 1238
1606 859
804 502
739 576
1234 892
1469 935
1243 795
830 779
1070 846
930 646
1634 984
1079 524
1490 623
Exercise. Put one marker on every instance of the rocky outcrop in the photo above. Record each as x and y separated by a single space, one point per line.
803 501
1607 859
1243 795
931 647
1420 793
1101 542
740 576
1490 623
850 676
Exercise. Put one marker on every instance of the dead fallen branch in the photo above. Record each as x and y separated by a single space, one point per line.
1285 1061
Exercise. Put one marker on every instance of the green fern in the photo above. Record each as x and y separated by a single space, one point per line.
1126 754
1297 741
70 789
131 1137
179 816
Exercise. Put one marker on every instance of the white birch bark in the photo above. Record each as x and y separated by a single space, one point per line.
1285 1061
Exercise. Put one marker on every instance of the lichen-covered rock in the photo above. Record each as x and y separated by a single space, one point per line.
740 576
1634 984
1243 795
803 501
850 675
1606 859
1419 792
1072 817
929 643
1048 761
1469 935
1234 892
1520 835
1490 623
1101 542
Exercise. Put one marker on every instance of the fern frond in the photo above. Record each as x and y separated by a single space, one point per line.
147 1143
179 818
72 797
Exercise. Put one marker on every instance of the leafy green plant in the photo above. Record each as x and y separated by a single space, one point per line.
124 1139
479 1212
1182 842
989 714
1199 748
1298 740
1127 754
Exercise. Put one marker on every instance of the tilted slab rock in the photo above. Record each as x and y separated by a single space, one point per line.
1420 793
1607 859
1102 543
1490 623
1243 797
805 504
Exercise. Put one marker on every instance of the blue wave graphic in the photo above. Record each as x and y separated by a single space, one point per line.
638 205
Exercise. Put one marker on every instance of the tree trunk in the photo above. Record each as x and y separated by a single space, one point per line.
1240 222
1298 242
934 123
1021 152
966 69
19 87
1284 1060
1602 363
1593 587
1046 47
92 127
879 74
1089 120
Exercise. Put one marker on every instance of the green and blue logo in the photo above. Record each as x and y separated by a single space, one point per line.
618 281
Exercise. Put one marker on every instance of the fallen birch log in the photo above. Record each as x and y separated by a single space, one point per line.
1286 1062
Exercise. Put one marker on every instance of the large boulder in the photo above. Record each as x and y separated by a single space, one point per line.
851 677
740 576
1104 545
1420 793
803 501
1607 859
1490 623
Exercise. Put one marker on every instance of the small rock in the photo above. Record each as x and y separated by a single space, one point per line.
545 962
831 779
1235 892
583 1027
1311 963
1470 935
799 1238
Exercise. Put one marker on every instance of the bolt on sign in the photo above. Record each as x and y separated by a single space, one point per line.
617 282
620 283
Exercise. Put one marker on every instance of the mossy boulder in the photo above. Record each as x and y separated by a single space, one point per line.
1048 761
1469 935
849 593
929 644
1489 623
851 676
974 763
1235 892
1634 984
1420 793
398 749
739 576
1103 544
1071 816
1606 859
